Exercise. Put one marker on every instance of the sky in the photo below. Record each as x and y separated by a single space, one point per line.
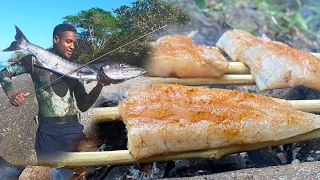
37 19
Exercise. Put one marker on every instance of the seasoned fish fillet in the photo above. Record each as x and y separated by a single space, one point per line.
177 55
163 118
273 64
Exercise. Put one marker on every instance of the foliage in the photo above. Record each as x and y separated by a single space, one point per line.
287 14
101 32
282 15
93 26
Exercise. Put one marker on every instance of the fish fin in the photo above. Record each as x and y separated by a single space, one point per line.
19 35
13 47
17 44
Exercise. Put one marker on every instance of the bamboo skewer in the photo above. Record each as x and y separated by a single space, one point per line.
237 68
87 159
229 79
312 106
105 114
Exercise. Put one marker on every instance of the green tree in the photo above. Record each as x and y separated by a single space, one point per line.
94 27
100 31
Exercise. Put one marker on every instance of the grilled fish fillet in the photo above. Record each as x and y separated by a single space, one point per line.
273 64
177 55
166 118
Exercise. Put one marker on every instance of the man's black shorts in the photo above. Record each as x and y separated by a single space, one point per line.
53 139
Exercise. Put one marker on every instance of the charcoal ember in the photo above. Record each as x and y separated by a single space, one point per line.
112 135
127 172
305 151
137 174
196 172
97 173
271 156
158 170
185 167
230 163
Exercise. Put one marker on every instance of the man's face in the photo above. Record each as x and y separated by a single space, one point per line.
65 43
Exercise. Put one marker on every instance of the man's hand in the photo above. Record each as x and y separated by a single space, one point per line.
104 80
17 99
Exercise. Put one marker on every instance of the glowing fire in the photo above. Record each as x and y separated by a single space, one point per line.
81 175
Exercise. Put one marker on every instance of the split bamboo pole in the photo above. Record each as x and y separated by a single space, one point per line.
105 114
95 159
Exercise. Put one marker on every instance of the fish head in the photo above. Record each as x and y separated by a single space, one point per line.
121 71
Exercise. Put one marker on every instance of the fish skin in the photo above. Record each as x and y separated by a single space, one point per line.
116 71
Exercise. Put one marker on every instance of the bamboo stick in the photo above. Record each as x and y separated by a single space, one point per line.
87 159
105 114
229 79
237 68
312 106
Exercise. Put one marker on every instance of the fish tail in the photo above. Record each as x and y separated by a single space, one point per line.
19 43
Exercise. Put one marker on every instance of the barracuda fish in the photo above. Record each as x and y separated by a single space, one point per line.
116 71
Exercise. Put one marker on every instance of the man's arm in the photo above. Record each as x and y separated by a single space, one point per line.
24 65
84 100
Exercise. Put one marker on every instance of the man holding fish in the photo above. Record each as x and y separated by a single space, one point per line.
59 129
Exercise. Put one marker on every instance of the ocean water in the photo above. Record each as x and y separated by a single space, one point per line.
2 66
